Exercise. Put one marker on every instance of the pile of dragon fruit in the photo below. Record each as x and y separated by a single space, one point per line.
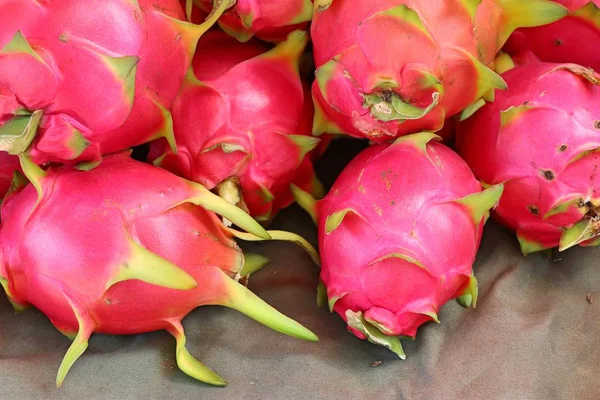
141 138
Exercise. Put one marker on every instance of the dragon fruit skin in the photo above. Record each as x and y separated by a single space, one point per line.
573 39
244 115
387 237
130 252
269 20
540 138
383 72
8 165
90 81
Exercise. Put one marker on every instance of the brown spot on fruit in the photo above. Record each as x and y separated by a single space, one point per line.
362 189
533 209
558 42
63 37
562 148
549 175
392 203
377 209
597 124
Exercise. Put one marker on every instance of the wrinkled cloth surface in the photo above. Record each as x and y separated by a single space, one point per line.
535 334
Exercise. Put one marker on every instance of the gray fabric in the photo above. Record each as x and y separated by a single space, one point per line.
534 335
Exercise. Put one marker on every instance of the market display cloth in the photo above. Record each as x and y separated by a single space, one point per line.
535 334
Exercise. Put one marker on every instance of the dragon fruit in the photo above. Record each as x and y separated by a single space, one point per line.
242 119
573 39
386 68
125 249
79 80
270 20
387 237
540 138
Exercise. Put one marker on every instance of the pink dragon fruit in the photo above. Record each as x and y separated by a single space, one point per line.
388 234
242 118
78 80
540 138
386 68
573 39
125 249
270 20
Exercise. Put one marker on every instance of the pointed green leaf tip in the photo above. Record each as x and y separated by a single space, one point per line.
321 294
374 335
419 141
306 201
305 13
503 63
34 173
305 144
17 133
124 69
239 298
586 229
469 296
291 49
529 246
590 12
334 220
487 80
281 235
322 5
189 6
472 109
18 44
479 204
16 306
80 343
333 299
253 263
148 267
526 14
166 130
210 201
187 363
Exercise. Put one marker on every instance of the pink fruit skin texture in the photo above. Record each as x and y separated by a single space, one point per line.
540 138
68 250
271 20
393 51
8 165
573 39
403 206
237 115
89 108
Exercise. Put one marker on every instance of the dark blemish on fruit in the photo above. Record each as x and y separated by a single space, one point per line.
562 148
549 175
533 210
597 124
392 203
558 42
63 37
